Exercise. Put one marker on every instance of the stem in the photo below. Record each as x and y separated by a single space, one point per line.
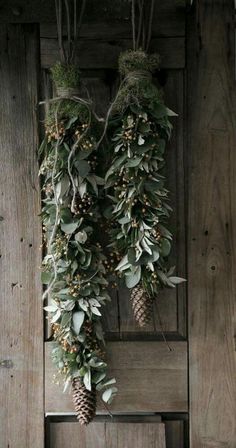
150 25
133 24
68 31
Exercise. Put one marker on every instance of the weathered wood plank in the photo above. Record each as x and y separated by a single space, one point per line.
21 342
212 224
169 17
159 376
107 435
100 54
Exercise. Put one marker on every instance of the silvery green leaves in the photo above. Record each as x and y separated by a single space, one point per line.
73 266
140 205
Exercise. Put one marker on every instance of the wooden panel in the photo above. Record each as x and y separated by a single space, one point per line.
159 376
21 385
212 225
97 54
107 435
170 304
118 319
169 17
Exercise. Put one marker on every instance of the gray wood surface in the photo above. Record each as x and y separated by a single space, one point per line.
169 17
100 54
150 378
212 225
107 435
21 341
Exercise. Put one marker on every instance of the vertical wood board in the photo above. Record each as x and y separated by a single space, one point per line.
21 342
212 225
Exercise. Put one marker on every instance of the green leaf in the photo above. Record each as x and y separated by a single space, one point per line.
124 220
46 277
141 140
81 237
165 247
50 308
92 181
171 113
82 189
122 263
133 162
133 279
78 319
98 377
66 216
66 317
87 380
177 280
131 255
62 187
108 394
83 168
161 145
70 122
95 311
70 227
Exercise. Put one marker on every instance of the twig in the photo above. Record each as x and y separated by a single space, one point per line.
140 25
161 326
149 33
58 7
133 23
68 31
77 27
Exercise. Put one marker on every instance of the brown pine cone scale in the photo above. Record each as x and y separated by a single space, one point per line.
84 402
142 305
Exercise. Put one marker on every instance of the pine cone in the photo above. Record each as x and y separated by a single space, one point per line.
142 305
84 402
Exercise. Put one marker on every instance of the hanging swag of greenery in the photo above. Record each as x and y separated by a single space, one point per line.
140 129
73 266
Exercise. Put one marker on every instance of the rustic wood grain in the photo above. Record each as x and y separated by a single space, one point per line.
212 225
150 378
21 342
100 17
107 435
100 54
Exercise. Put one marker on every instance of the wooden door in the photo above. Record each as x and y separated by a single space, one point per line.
152 406
151 374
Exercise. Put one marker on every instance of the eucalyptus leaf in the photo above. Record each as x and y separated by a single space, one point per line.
69 227
133 279
78 319
165 247
87 380
83 168
81 237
